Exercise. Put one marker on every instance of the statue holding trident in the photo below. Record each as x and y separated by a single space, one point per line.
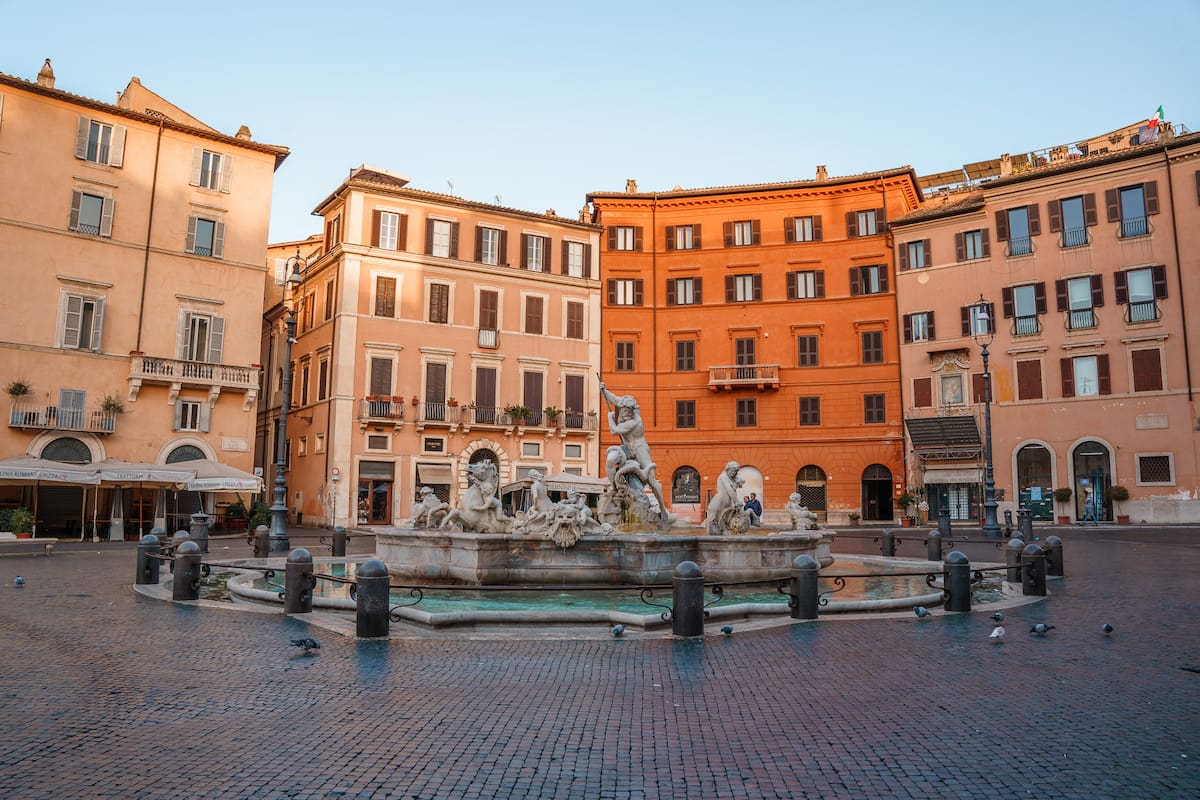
625 421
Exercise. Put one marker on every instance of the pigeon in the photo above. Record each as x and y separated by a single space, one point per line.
727 630
997 635
998 617
921 611
1041 629
308 644
1106 629
618 630
19 581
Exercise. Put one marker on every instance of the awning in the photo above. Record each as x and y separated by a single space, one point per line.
960 475
28 469
123 473
213 476
435 474
564 481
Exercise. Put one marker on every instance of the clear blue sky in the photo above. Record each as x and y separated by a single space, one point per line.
540 103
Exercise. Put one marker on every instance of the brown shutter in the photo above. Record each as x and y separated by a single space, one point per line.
697 294
727 228
1103 373
816 227
489 310
904 257
1150 189
1039 297
478 243
566 258
1147 370
670 238
637 238
756 231
611 290
883 278
922 392
574 393
978 387
524 251
987 248
444 303
851 224
729 289
960 249
791 286
1001 226
758 286
789 229
1006 302
819 283
1029 380
637 292
428 237
402 234
1120 288
881 220
927 247
929 325
1112 204
670 291
503 254
966 320
1068 377
696 237
587 261
1089 210
533 315
375 218
1097 291
1060 295
612 239
454 240
1160 281
435 383
381 376
908 328
854 281
1054 211
1035 221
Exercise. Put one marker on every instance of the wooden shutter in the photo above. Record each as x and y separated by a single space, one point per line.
1120 288
385 296
1068 377
573 391
670 237
479 243
502 254
226 173
106 217
881 224
851 224
670 291
1089 210
531 394
1001 226
789 229
524 262
1054 212
82 128
587 261
1159 273
960 248
1035 221
565 266
855 281
978 387
116 152
218 245
966 320
612 242
758 287
197 158
1039 297
1097 291
574 320
489 310
435 383
638 296
791 285
204 417
729 288
816 227
696 236
727 228
428 236
189 240
376 225
883 278
1112 204
819 283
1006 302
485 389
929 325
987 248
381 377
533 315
178 416
73 217
922 392
181 335
697 290
72 322
611 290
926 245
402 233
755 232
1150 190
1060 295
216 339
908 328
454 240
637 238
1147 370
1029 380
904 257
1103 373
444 303
97 323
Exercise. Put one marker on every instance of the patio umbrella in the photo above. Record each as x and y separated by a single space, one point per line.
213 476
125 473
25 469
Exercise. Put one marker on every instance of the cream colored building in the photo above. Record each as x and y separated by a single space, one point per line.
131 241
423 325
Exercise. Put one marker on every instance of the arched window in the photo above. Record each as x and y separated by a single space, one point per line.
185 452
69 450
685 485
1035 486
484 454
811 485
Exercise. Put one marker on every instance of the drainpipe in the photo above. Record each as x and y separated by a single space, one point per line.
654 306
889 241
149 228
1187 358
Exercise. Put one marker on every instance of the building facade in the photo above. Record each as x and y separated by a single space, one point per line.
1087 256
758 324
131 240
433 332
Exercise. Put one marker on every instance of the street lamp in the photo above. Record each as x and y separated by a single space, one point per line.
983 331
294 270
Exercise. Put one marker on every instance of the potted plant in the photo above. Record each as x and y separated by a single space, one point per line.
415 400
260 514
518 413
904 500
1119 494
21 522
553 414
1062 496
18 388
451 402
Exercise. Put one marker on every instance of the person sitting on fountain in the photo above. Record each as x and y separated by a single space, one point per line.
755 508
726 497
625 421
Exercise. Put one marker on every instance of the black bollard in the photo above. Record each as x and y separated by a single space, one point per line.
200 530
887 544
687 600
933 546
298 582
1033 581
1008 522
178 538
262 542
944 522
371 615
339 541
957 582
1012 557
147 567
1054 556
187 572
804 587
1025 524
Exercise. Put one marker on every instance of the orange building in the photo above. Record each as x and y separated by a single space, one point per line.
758 324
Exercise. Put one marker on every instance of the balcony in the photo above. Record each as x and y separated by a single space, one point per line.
748 376
1081 319
489 338
379 411
1142 311
1027 325
177 374
474 416
34 416
1132 227
1020 246
1074 237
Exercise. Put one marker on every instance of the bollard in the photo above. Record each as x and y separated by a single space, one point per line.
298 582
1054 556
887 543
687 600
1008 522
1033 580
957 582
1012 557
944 522
1025 524
187 572
147 567
804 587
371 609
200 530
177 539
933 546
339 541
262 542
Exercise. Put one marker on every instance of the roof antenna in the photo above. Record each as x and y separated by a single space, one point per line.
450 183
498 202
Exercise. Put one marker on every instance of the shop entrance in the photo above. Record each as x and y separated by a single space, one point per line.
375 485
877 493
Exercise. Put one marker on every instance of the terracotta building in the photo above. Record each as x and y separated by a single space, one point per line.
1087 254
433 331
131 240
758 324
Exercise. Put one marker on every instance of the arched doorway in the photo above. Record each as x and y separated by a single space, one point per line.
685 486
61 510
1035 481
178 506
1091 463
752 482
877 493
812 486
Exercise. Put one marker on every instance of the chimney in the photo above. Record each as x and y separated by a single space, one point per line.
243 134
822 174
630 186
46 75
1005 165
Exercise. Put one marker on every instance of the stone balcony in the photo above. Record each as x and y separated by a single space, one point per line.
176 374
743 376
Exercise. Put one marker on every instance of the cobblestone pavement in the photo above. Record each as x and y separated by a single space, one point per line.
107 694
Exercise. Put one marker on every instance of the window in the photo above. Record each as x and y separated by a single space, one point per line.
1023 304
531 449
572 451
918 327
386 230
625 237
974 322
435 390
305 376
971 245
685 413
806 284
489 310
683 291
624 356
806 351
915 255
441 238
333 232
872 347
685 485
574 320
205 237
319 444
683 237
534 252
490 246
1029 380
624 291
951 389
82 322
742 233
871 279
381 377
865 223
385 296
308 311
1084 376
746 415
1139 290
744 358
439 303
922 392
190 416
323 379
577 259
1131 207
1073 216
211 170
873 409
802 229
302 446
685 355
1079 297
533 315
1018 226
1147 370
91 214
810 411
979 387
99 142
573 400
201 337
743 288
1155 469
329 296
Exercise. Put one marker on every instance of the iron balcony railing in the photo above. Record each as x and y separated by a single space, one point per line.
733 375
1027 325
194 373
489 338
1134 226
1020 246
391 410
1074 237
1081 318
25 414
1142 311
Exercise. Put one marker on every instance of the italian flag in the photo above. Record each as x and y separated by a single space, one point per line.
1157 118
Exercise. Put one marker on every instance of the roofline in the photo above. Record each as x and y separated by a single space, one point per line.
752 188
279 151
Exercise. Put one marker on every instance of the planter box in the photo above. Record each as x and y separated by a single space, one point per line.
1063 519
1122 519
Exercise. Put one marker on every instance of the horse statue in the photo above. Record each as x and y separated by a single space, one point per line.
479 508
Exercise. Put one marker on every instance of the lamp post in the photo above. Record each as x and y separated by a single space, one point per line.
278 537
983 331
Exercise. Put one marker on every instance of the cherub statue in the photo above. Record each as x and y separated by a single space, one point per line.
428 511
802 518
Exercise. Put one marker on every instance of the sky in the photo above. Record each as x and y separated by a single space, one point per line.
533 105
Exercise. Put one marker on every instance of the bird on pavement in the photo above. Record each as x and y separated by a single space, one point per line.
998 617
1041 629
308 644
1106 629
727 630
618 630
997 635
19 581
921 611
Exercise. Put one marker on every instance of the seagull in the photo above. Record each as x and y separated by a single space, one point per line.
727 630
1106 629
19 581
998 617
1041 629
921 611
618 630
997 636
308 644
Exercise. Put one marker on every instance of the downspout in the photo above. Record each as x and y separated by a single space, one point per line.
654 307
149 228
329 383
889 241
1187 357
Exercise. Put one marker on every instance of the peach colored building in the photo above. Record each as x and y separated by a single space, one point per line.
758 324
131 240
424 325
1088 254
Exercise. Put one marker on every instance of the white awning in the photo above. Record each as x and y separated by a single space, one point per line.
213 476
960 475
435 474
124 473
27 469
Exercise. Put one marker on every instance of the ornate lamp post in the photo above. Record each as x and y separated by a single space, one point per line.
983 331
294 270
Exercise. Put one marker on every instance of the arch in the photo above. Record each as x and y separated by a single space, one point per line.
37 446
812 485
171 445
504 463
485 454
752 481
69 450
877 493
185 452
685 485
1034 468
1091 475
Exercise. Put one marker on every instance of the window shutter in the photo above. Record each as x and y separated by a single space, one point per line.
444 304
205 417
611 290
1054 212
72 322
533 315
1035 220
926 245
851 224
987 248
485 388
929 325
1097 291
727 228
76 202
881 220
587 261
1006 302
904 257
1089 210
189 242
816 227
819 283
1068 377
960 249
181 335
1001 226
922 392
755 232
1103 373
428 237
178 415
854 281
729 291
116 147
226 172
566 258
696 234
789 229
381 377
218 248
883 278
1160 281
908 328
1112 204
697 291
385 296
376 218
524 251
478 244
106 217
1060 295
402 233
280 271
81 137
454 240
670 238
966 320
638 296
1039 297
1120 288
503 256
197 157
757 281
1150 189
1029 380
637 238
978 387
791 286
670 291
216 339
612 240
98 323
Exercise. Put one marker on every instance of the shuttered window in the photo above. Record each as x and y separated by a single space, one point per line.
623 356
573 397
205 237
806 351
746 413
489 310
874 410
685 355
872 347
810 411
91 214
1147 370
625 237
743 288
531 395
211 170
625 291
922 392
574 320
100 142
1029 380
533 315
82 322
435 383
806 284
389 230
381 376
439 303
485 394
385 296
441 238
685 413
742 233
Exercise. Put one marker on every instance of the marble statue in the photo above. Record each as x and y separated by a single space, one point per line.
479 509
802 518
631 471
726 514
564 522
428 511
